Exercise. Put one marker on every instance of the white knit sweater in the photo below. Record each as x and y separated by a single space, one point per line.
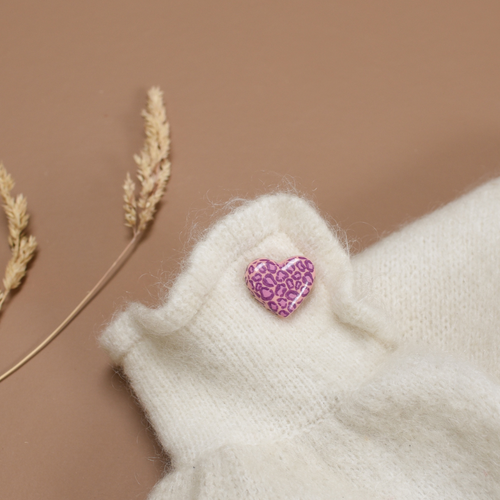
384 384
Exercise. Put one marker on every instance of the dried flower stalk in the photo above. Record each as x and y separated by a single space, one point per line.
22 247
153 166
153 172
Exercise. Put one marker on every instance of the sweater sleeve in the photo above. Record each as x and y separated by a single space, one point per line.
336 400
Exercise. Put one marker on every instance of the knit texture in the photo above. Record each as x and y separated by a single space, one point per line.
375 388
439 279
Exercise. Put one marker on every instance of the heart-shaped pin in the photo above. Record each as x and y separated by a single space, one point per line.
281 288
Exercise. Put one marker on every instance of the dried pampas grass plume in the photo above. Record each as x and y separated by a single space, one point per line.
153 173
22 247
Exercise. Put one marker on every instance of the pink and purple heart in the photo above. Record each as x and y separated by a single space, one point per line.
281 288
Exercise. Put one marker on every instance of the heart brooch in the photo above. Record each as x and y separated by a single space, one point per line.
281 288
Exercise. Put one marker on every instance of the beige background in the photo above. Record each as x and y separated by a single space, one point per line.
378 111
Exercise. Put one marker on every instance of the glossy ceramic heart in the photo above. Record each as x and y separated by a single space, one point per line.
281 288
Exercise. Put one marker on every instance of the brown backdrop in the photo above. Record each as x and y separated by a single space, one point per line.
378 111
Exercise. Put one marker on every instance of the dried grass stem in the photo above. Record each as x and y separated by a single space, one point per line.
116 264
22 247
153 173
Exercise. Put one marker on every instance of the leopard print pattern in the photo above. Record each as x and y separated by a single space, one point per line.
281 288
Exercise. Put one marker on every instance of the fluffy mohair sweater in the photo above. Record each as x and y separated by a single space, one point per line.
384 384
